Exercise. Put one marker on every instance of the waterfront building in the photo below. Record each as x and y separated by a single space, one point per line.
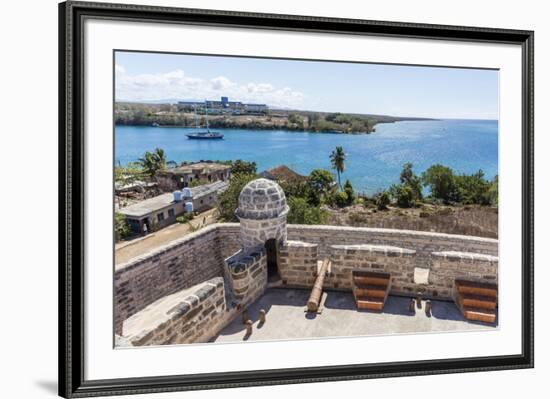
162 210
224 104
182 176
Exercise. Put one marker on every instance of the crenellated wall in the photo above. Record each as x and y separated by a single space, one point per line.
247 271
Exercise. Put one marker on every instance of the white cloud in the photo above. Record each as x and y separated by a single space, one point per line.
177 85
221 83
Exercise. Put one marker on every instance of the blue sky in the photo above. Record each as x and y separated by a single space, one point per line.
310 85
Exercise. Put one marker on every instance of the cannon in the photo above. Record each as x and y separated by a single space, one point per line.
317 291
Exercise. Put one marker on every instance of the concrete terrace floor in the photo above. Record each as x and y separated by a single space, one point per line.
286 318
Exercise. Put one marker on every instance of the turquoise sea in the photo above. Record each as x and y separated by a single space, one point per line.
373 161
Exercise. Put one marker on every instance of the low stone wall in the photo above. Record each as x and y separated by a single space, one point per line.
298 263
436 280
247 271
348 258
427 248
197 318
450 265
424 243
176 266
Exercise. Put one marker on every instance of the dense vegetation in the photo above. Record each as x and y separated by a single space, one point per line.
309 197
322 122
122 228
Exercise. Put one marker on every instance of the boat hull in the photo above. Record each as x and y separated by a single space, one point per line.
193 137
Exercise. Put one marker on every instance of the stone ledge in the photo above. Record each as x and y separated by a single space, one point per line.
397 232
455 256
378 249
173 245
141 326
300 244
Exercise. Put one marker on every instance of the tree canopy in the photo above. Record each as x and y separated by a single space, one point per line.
151 162
338 162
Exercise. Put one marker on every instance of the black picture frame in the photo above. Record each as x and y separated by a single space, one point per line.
71 204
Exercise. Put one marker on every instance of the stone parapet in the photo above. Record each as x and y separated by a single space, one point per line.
298 263
247 271
448 266
195 316
373 249
424 243
171 268
346 259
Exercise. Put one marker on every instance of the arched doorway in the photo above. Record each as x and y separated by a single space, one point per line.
272 254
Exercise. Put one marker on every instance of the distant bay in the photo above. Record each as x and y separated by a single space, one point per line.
373 161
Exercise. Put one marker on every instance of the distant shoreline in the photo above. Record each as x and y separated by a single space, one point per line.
171 115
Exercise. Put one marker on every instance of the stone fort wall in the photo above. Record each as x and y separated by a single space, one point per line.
424 243
200 256
197 318
440 257
166 270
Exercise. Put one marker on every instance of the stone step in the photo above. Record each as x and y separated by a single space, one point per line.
479 314
477 301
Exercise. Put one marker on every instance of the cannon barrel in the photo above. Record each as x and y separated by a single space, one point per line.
316 292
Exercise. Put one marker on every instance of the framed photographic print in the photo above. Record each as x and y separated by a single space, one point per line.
253 199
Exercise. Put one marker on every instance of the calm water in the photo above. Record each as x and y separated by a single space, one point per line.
373 161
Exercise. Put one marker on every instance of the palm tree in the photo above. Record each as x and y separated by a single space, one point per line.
153 161
337 159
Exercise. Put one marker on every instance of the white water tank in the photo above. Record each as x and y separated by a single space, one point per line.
186 192
177 196
188 207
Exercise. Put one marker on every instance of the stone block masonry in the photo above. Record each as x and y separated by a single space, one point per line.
194 315
424 243
247 271
176 266
448 266
298 263
363 257
262 213
435 254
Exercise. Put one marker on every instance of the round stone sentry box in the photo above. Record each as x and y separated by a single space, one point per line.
262 213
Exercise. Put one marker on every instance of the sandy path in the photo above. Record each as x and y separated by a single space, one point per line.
128 250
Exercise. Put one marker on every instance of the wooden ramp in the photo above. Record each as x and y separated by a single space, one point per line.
371 289
477 300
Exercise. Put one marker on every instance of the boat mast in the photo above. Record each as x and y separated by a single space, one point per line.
206 115
196 117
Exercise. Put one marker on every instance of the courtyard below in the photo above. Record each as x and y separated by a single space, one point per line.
286 318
